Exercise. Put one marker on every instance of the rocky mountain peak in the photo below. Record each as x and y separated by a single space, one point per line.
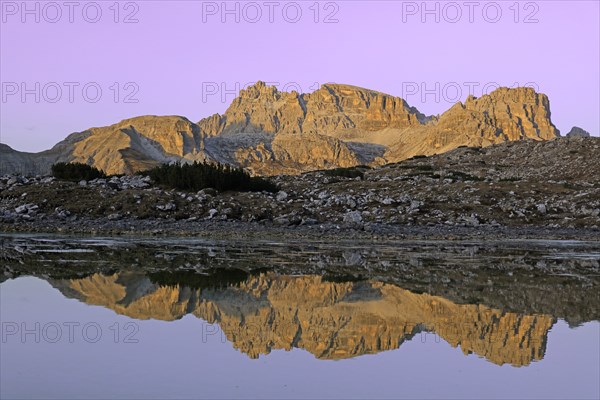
336 110
270 132
516 114
261 91
578 132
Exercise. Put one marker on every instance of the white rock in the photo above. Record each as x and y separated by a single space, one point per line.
167 207
281 221
282 196
414 205
353 217
472 220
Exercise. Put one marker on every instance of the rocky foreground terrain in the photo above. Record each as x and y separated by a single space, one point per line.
269 132
522 188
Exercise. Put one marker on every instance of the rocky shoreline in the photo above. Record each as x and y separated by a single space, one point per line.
527 189
235 230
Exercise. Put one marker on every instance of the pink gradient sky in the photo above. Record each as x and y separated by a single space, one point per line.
171 54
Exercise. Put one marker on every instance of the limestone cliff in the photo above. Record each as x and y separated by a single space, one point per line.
503 115
123 148
271 132
331 320
333 110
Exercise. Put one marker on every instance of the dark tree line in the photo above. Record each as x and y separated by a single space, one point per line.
190 177
197 176
76 172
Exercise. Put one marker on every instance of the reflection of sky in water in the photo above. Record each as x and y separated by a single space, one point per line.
171 360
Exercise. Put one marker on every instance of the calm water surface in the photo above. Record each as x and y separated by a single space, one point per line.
141 318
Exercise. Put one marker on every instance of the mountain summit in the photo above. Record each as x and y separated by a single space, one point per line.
270 132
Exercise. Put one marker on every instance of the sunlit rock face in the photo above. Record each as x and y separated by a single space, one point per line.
270 132
331 320
369 127
501 116
128 146
332 110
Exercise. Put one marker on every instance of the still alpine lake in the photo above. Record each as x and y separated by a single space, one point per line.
196 318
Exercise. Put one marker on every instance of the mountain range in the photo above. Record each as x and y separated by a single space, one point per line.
270 132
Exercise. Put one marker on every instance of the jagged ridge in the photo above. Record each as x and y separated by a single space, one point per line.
271 132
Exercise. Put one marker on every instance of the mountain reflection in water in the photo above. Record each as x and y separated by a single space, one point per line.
498 300
331 320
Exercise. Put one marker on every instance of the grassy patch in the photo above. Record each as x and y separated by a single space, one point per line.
352 172
417 167
571 186
510 179
458 175
423 167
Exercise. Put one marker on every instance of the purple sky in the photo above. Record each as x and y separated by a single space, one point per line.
175 57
